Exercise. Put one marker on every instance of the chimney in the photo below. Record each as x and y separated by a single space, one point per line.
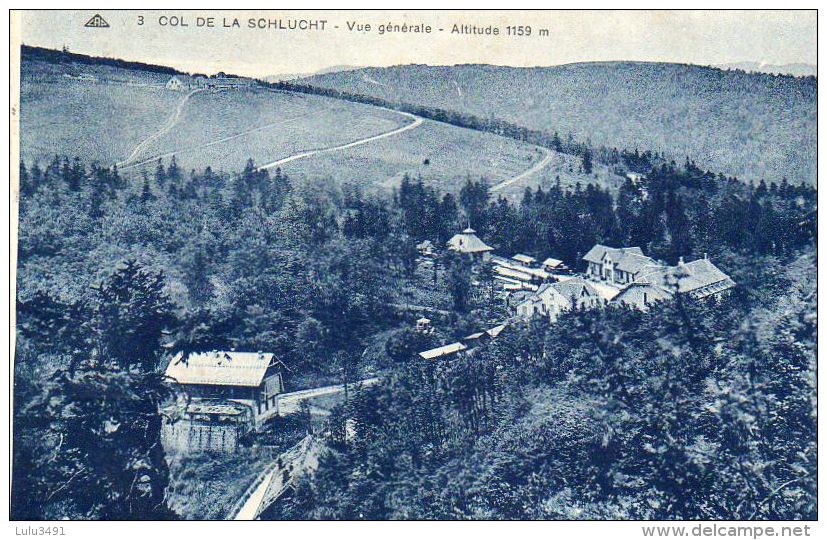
706 256
680 261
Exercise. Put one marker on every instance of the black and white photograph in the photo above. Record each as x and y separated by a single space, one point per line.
424 265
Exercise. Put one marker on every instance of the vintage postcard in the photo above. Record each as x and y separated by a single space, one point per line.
415 265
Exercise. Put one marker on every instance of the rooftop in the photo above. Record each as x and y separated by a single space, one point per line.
693 277
451 348
627 259
468 242
496 331
575 287
525 259
220 368
513 274
552 263
506 263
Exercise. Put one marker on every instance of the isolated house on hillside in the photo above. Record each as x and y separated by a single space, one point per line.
469 243
177 83
699 279
618 266
252 379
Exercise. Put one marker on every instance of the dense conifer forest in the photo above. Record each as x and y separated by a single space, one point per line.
692 410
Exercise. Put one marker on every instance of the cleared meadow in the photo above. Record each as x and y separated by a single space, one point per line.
128 117
224 129
442 154
79 112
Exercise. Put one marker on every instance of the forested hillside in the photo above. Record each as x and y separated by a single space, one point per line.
753 126
694 409
687 412
113 276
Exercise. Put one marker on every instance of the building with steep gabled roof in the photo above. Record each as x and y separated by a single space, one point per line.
698 279
177 83
619 266
250 378
554 298
469 243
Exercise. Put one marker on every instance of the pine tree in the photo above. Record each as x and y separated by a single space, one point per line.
587 161
160 174
146 191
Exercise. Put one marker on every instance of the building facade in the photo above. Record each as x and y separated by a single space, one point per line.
207 426
247 378
177 83
698 279
617 266
554 298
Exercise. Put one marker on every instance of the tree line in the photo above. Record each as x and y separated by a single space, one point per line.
116 273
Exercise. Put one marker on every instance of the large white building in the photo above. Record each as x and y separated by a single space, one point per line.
554 298
618 266
698 279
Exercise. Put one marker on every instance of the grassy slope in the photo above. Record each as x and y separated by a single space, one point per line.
106 119
206 486
284 124
749 125
453 154
63 115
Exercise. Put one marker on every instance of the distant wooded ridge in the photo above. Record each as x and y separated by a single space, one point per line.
53 56
28 52
750 125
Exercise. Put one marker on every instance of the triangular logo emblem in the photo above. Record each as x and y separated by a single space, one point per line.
96 22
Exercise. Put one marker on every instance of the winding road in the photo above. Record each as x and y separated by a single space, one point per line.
176 115
417 121
212 143
526 173
290 403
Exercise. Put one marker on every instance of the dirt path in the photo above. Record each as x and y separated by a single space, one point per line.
290 403
528 172
128 163
211 143
417 121
170 123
